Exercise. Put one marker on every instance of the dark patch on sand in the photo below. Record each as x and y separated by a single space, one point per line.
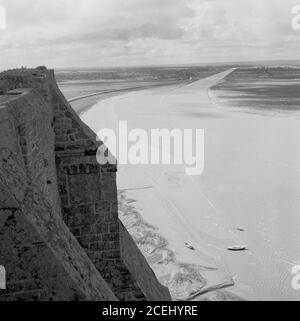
185 281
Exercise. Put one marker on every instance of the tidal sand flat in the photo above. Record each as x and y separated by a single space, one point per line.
262 90
248 194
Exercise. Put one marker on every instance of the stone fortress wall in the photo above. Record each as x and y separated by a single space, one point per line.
60 235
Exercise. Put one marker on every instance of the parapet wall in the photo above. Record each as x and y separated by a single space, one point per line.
58 206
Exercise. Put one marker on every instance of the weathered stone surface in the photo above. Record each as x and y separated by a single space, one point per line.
141 271
58 206
42 258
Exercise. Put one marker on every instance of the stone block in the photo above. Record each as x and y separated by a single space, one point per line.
84 188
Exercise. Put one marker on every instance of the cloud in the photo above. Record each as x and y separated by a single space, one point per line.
61 32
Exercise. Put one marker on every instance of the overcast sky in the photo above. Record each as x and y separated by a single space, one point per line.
101 33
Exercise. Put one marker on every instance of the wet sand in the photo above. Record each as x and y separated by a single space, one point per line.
83 96
248 194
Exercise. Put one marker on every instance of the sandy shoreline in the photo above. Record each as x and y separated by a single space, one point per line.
184 224
82 103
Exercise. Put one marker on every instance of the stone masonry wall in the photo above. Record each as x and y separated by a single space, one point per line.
42 258
82 193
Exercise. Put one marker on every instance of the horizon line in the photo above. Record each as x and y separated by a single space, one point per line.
195 64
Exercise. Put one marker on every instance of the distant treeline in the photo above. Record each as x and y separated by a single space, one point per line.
139 74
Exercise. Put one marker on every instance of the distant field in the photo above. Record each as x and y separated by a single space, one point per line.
87 81
100 84
274 89
139 73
